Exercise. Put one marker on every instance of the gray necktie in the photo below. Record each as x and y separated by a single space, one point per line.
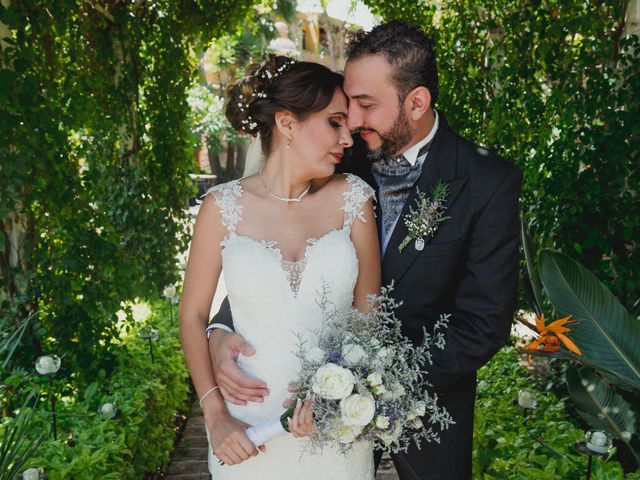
396 177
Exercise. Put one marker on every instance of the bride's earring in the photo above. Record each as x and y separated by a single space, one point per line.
288 143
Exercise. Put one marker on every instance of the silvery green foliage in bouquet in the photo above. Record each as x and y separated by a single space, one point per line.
369 381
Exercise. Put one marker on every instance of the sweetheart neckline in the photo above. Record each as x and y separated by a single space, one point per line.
271 244
270 247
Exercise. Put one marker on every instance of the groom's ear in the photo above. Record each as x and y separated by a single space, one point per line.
285 122
419 101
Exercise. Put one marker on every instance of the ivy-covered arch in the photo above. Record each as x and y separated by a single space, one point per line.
94 152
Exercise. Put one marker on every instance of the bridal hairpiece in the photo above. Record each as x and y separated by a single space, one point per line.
249 124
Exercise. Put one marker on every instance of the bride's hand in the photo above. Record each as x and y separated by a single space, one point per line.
302 425
229 441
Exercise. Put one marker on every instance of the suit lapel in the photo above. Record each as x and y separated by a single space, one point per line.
440 164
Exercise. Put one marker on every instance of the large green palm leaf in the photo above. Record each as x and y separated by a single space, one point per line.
599 405
532 283
606 333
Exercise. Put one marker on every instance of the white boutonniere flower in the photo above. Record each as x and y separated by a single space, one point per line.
424 221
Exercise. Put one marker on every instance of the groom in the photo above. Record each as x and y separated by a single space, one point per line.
468 267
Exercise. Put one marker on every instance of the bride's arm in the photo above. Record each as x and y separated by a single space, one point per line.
365 238
201 279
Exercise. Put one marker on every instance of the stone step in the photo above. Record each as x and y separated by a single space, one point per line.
190 476
188 466
194 441
190 453
196 420
194 430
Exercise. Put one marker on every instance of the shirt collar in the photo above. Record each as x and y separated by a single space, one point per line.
412 154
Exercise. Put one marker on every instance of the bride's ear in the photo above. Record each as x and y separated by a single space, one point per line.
285 123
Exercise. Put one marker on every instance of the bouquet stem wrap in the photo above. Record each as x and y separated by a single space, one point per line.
263 432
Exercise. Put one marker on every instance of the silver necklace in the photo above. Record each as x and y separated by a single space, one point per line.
285 199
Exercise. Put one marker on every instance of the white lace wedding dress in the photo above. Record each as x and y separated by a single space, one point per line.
273 301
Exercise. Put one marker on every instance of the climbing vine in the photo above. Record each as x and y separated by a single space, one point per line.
552 85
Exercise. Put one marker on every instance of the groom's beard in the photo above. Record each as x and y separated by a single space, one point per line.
398 135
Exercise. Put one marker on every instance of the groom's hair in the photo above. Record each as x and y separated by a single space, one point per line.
408 50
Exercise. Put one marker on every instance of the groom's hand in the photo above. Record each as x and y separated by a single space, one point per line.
235 386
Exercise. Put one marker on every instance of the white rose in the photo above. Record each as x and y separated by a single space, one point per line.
382 421
416 423
316 354
389 438
353 353
420 408
384 356
374 379
333 382
380 389
348 433
386 396
357 409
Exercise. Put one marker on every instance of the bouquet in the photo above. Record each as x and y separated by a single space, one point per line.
368 380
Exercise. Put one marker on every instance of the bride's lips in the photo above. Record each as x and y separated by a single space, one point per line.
337 156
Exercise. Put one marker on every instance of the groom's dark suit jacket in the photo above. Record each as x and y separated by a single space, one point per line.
468 269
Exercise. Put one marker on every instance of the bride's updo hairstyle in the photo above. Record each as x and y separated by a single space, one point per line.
275 85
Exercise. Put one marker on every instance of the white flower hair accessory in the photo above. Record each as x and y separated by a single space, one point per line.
249 125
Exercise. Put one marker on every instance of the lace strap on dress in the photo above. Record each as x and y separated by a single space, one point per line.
227 195
355 197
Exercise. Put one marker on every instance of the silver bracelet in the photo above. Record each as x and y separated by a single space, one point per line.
207 393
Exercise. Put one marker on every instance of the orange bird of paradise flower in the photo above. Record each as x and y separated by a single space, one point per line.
551 337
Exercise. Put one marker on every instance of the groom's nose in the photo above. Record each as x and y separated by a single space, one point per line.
354 118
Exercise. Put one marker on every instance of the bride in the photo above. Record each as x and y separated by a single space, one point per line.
280 235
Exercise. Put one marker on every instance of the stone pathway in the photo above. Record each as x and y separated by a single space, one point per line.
189 461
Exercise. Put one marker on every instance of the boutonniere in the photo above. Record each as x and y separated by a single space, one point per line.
423 221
